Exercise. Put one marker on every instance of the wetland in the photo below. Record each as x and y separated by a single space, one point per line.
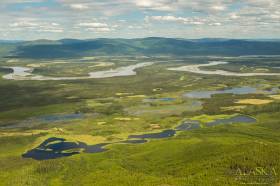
137 121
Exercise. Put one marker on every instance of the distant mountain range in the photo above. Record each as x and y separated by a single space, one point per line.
152 46
9 41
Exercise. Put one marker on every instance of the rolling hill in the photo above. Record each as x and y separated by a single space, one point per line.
152 46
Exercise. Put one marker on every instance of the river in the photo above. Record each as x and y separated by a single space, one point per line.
196 69
25 73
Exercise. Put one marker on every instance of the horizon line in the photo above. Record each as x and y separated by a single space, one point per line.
84 39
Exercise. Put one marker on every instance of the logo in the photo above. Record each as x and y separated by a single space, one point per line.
255 176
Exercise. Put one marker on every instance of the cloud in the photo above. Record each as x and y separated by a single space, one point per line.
51 30
215 24
104 7
160 5
79 6
218 7
93 25
116 18
206 6
97 26
23 24
100 29
183 20
35 25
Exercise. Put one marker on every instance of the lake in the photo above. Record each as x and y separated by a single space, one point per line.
53 148
208 94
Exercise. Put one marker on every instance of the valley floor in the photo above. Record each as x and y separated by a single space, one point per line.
154 126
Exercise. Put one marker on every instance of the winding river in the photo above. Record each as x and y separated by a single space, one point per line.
25 73
196 69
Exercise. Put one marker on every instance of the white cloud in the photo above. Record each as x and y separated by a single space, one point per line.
218 7
215 24
184 20
99 30
97 26
35 25
206 6
93 25
135 27
79 6
168 18
234 16
51 30
55 24
23 24
161 5
178 18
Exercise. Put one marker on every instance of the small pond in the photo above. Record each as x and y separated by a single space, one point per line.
163 134
36 121
60 117
188 125
158 99
234 119
208 94
135 141
194 124
237 91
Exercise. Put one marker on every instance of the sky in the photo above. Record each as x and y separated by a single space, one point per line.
85 19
